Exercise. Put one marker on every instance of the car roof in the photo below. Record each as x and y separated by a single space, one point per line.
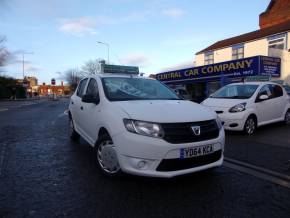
254 83
106 75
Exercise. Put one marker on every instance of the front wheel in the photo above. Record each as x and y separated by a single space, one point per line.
107 156
287 118
250 125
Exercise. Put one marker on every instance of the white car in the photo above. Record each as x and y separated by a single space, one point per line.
246 106
139 126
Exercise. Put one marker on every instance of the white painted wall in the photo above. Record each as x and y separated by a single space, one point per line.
254 48
199 60
288 37
222 55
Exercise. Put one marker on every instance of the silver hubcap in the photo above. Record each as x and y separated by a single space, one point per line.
107 157
287 117
250 126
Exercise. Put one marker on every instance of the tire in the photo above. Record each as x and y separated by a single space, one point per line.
250 126
287 117
106 155
72 132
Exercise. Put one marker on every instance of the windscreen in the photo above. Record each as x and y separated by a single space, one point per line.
128 89
236 91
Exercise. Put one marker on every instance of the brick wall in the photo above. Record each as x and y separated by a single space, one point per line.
277 12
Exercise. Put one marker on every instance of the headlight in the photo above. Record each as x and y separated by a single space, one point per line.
219 123
238 108
144 128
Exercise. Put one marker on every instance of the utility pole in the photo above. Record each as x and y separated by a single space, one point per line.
23 62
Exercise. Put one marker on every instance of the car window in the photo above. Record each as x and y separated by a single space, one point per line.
182 92
236 91
93 88
81 87
277 91
266 90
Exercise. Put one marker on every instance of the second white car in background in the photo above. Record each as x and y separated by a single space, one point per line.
246 106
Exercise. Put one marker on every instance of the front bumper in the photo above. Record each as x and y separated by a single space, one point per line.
234 121
141 155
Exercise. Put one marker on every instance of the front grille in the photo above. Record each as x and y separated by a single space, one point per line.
219 112
168 165
177 133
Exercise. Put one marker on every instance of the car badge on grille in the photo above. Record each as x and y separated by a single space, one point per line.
196 130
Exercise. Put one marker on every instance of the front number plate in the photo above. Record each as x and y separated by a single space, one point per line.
196 151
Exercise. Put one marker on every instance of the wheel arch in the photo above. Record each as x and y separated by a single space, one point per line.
254 116
102 131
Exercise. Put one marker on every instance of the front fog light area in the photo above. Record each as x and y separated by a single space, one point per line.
140 164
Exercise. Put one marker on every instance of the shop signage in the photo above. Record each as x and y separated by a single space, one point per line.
253 66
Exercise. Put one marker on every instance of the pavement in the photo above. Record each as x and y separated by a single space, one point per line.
44 174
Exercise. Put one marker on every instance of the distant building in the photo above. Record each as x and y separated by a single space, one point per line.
32 80
45 90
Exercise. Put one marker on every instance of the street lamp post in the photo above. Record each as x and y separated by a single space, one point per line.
24 53
108 47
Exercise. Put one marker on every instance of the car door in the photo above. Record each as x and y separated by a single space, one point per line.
265 108
90 112
76 103
279 101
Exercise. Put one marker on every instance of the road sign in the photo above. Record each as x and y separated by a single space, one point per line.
120 69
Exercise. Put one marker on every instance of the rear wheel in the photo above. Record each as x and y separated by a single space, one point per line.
287 118
72 132
250 126
107 156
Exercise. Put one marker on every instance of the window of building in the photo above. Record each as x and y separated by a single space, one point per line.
276 43
237 52
208 58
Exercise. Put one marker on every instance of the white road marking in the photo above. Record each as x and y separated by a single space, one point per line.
65 113
3 109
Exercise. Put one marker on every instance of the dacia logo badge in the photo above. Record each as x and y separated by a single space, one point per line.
196 130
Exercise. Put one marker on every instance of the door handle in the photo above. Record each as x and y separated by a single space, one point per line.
82 108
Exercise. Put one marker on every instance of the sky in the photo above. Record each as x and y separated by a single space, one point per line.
156 35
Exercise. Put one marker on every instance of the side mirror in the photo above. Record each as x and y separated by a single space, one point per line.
91 99
263 97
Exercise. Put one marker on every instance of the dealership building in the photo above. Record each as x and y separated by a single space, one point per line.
262 52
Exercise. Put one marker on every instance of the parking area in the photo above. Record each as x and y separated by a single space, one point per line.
46 174
269 147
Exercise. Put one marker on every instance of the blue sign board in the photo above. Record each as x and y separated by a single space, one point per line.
252 66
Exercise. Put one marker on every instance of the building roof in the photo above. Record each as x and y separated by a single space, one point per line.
280 28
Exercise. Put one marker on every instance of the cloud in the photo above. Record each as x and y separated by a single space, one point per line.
173 13
140 60
80 26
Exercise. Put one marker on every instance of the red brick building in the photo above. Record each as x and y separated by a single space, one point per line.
277 12
45 90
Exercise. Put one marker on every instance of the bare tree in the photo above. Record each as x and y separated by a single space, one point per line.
92 67
73 76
